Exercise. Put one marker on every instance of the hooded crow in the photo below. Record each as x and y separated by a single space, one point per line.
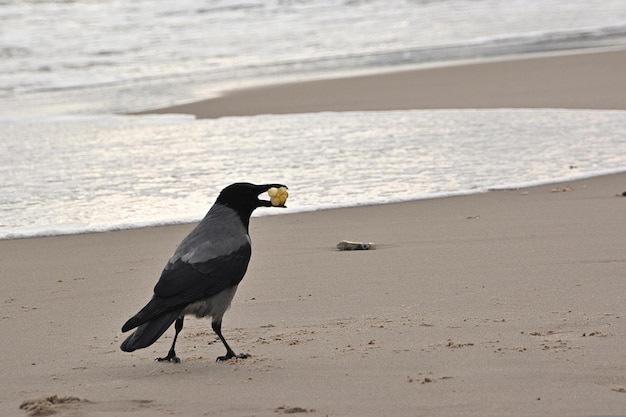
202 276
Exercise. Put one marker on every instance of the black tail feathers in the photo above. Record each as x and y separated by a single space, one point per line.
148 333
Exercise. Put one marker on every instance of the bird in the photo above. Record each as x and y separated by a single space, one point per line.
203 274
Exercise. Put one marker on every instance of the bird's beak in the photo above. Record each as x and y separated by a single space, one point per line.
263 189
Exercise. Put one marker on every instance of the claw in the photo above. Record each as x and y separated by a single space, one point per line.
168 358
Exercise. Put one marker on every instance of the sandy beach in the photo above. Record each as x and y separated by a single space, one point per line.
579 80
506 303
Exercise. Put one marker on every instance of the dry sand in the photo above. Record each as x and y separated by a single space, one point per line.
508 303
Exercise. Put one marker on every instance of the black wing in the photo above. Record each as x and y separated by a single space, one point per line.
182 283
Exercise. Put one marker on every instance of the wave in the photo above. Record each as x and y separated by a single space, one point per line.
151 170
478 48
74 229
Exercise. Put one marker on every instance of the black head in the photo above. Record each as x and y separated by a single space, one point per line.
243 197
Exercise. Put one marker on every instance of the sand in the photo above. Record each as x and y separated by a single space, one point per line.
507 303
580 80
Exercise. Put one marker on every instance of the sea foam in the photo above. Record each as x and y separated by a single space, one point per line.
74 175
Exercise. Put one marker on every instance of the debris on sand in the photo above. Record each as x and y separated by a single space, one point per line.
48 405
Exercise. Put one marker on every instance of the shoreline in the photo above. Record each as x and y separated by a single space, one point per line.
580 80
461 193
506 303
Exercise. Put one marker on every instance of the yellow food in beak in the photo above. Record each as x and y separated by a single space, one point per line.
278 196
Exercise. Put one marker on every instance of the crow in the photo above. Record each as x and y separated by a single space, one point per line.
202 276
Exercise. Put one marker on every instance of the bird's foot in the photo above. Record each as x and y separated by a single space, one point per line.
171 357
230 355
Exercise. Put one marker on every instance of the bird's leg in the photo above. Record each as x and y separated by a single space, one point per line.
217 328
171 355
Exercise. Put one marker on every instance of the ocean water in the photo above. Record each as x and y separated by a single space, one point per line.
69 165
105 56
101 173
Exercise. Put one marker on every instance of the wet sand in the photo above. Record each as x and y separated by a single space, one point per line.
585 80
